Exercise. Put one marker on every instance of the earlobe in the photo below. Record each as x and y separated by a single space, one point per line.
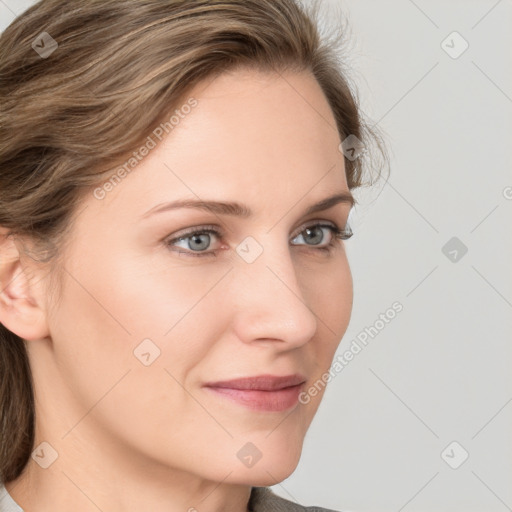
21 311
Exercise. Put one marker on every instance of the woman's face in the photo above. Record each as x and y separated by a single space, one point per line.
145 320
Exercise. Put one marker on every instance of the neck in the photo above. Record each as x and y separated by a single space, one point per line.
87 477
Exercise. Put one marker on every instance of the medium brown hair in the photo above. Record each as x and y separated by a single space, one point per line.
67 118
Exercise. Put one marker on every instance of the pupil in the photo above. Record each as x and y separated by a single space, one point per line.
319 236
195 239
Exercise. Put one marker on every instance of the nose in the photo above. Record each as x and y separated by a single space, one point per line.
269 303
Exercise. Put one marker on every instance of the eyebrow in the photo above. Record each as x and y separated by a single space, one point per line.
240 210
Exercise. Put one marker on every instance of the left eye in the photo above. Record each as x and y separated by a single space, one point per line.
315 235
197 241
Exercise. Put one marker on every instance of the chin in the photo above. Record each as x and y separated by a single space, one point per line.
275 465
277 475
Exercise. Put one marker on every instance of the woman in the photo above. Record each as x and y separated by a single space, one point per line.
175 187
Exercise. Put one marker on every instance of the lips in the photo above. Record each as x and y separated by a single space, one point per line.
262 393
260 382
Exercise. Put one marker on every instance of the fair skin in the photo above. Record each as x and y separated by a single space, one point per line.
131 437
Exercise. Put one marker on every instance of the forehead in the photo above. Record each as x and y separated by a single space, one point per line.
251 135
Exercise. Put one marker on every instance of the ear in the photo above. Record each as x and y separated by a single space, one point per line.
22 309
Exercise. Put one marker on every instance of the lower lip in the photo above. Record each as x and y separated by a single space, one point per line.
279 400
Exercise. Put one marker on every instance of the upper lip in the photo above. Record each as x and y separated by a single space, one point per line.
260 382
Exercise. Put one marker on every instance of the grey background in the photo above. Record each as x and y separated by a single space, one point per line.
440 370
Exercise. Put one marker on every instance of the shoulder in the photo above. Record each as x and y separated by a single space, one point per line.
263 499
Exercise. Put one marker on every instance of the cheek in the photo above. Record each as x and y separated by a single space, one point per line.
163 317
155 295
329 294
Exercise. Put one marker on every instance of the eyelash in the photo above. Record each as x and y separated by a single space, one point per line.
337 235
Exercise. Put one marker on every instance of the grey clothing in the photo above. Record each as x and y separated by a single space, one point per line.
263 499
